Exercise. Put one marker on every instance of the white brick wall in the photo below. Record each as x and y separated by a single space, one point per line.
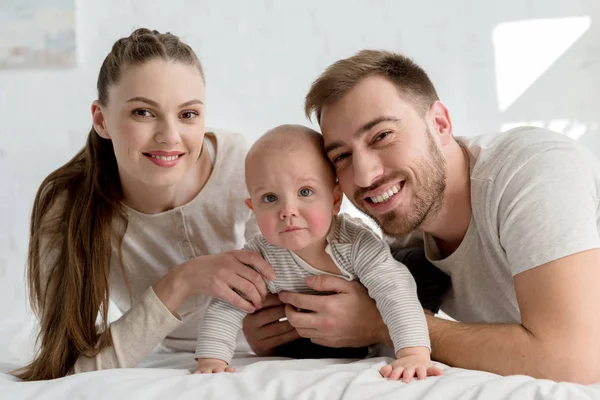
260 58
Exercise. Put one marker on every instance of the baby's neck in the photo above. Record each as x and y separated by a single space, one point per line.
316 257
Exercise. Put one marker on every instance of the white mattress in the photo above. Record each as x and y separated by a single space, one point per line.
167 376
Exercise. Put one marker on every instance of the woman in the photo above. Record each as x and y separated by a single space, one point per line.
147 215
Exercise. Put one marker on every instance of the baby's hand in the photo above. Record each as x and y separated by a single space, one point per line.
211 366
413 361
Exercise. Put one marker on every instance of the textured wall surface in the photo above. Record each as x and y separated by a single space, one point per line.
495 64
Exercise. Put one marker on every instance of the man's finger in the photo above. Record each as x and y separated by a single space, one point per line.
309 333
276 329
299 319
307 302
327 283
268 315
279 340
271 300
254 259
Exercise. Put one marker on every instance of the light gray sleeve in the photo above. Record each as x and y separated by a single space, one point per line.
221 324
218 330
548 208
394 290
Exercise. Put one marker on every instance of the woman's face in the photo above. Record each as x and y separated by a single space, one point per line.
155 120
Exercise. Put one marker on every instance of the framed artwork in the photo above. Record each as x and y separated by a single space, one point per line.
37 34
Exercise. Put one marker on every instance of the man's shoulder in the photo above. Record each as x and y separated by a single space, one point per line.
494 154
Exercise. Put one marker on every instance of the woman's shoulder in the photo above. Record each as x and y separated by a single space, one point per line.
231 149
229 142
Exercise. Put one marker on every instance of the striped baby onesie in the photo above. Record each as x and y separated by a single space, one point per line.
359 254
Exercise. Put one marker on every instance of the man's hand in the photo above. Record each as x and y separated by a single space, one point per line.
346 318
263 330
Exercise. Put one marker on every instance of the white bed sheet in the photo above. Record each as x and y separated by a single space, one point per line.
167 376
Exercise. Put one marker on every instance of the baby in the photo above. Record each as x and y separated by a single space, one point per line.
296 200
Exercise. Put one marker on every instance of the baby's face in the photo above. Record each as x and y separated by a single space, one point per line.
292 196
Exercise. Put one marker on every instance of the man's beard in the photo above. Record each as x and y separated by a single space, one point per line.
427 199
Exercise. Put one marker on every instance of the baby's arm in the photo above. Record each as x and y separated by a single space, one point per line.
217 335
219 328
393 288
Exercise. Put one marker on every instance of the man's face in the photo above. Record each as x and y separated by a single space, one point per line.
386 159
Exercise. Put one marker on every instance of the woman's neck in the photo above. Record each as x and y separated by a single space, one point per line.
153 200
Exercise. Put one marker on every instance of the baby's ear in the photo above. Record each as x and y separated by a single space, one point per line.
338 196
248 203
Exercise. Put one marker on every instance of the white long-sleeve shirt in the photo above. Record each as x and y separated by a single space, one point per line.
216 220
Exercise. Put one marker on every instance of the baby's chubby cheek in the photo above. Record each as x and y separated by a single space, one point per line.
268 229
320 222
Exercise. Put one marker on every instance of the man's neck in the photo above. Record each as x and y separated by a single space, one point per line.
450 224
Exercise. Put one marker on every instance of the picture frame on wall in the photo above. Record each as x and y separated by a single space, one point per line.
37 34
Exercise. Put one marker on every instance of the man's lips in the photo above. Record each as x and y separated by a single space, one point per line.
383 193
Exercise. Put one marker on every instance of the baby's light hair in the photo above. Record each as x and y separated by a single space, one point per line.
285 139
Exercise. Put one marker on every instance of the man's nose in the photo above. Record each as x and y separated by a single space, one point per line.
367 168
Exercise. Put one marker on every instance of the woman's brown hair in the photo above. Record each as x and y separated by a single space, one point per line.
77 214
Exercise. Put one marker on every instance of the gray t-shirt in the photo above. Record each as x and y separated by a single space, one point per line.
535 199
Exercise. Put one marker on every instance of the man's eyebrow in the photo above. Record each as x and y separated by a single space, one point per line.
361 131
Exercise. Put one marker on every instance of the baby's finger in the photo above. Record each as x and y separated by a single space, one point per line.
408 374
229 369
421 372
385 371
435 371
396 373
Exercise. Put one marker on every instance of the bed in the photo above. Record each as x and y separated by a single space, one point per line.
167 376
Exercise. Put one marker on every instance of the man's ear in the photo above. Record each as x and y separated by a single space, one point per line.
98 120
441 122
338 196
248 203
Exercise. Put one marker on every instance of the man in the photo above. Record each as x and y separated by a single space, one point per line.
513 219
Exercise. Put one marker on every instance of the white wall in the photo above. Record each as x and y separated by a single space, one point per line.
260 58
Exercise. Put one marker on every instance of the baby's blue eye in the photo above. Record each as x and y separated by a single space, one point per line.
269 198
305 192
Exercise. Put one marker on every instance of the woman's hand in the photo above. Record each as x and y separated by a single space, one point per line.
218 275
